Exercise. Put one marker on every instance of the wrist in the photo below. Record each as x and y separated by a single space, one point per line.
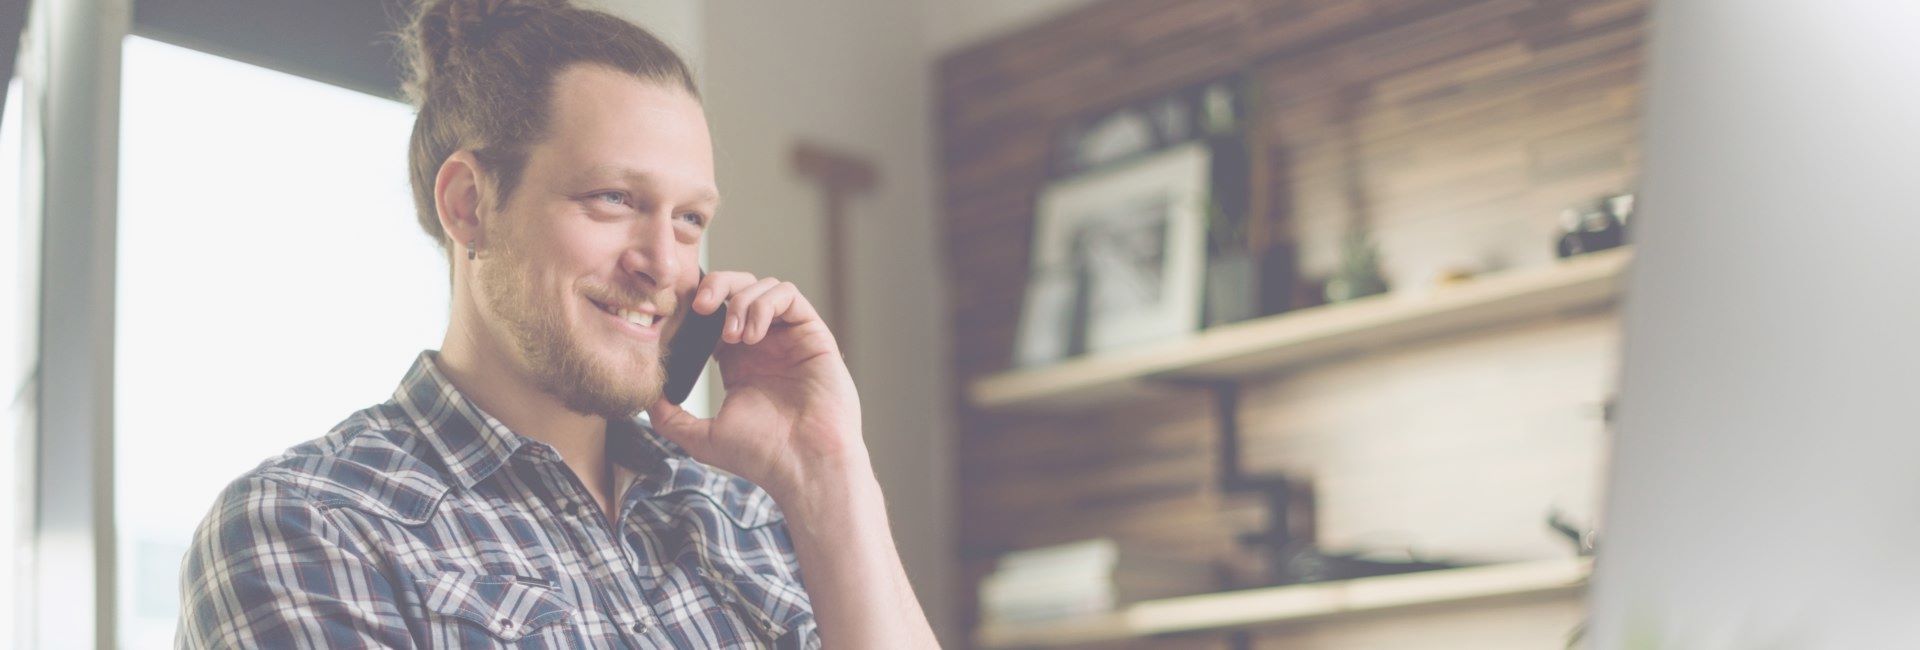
828 488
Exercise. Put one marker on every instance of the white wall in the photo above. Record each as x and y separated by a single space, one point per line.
852 75
678 22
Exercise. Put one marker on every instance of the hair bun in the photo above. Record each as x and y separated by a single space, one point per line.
444 31
473 23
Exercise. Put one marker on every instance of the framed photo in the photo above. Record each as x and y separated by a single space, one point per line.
1148 125
1119 257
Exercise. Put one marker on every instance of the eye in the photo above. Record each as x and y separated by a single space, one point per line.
616 198
694 218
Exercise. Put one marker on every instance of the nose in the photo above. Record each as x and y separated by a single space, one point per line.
653 253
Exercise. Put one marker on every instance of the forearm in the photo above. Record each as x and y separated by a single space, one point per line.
853 575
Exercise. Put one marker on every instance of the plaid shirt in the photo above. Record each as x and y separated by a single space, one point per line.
424 522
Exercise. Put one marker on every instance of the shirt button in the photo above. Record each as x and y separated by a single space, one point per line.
506 623
640 627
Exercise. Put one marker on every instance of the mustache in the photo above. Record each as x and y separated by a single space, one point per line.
663 301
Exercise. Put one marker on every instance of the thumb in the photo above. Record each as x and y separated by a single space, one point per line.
681 427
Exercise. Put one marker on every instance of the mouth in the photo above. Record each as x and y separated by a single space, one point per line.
644 322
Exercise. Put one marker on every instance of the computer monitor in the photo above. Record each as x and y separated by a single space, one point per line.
1765 475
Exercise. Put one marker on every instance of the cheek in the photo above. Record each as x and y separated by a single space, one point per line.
573 253
690 271
541 274
586 247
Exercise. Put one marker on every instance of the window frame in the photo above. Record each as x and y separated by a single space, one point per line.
71 106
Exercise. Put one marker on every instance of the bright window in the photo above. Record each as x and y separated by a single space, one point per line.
272 280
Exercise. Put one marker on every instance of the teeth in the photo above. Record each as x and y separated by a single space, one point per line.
637 318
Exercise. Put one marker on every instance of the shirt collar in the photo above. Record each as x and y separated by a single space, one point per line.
473 445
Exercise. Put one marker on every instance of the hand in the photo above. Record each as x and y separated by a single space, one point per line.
790 409
790 423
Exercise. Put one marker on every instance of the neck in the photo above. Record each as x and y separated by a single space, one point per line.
479 366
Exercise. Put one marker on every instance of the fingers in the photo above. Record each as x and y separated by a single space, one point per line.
717 287
738 307
679 426
782 303
760 314
799 311
754 304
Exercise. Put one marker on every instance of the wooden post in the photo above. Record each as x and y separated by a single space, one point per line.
841 175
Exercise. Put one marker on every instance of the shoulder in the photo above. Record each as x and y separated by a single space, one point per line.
373 461
271 564
700 486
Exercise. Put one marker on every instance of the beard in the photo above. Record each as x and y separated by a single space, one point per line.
560 363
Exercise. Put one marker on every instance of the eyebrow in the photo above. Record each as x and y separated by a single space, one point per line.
604 170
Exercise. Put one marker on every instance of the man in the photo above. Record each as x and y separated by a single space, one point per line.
507 495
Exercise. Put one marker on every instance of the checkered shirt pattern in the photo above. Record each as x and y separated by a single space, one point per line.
423 522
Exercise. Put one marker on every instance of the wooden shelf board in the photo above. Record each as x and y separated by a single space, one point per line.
1269 345
1298 603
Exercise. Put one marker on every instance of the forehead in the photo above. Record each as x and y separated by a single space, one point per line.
606 119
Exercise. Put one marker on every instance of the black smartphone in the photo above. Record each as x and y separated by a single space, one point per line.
690 348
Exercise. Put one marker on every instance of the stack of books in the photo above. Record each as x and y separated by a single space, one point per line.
1084 578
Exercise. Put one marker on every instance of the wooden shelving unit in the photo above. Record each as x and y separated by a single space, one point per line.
1269 345
1299 603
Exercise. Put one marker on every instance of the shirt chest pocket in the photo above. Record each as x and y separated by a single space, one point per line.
773 614
478 610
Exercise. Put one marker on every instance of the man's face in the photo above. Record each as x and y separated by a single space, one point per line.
606 223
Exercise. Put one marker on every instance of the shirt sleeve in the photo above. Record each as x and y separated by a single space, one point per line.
269 569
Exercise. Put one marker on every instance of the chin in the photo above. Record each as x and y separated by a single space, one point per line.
612 381
629 386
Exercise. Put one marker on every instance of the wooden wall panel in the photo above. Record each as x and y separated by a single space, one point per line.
1456 129
1457 450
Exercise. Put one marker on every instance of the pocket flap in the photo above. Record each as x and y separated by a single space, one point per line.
506 606
771 607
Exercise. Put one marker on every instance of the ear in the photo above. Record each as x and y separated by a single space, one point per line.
457 197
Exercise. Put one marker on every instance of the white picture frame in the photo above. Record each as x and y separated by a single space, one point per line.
1130 242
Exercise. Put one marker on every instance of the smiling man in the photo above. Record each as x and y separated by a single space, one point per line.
508 495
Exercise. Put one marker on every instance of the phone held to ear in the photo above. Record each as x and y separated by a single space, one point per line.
690 348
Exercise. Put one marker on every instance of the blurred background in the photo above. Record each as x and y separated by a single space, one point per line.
1178 324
